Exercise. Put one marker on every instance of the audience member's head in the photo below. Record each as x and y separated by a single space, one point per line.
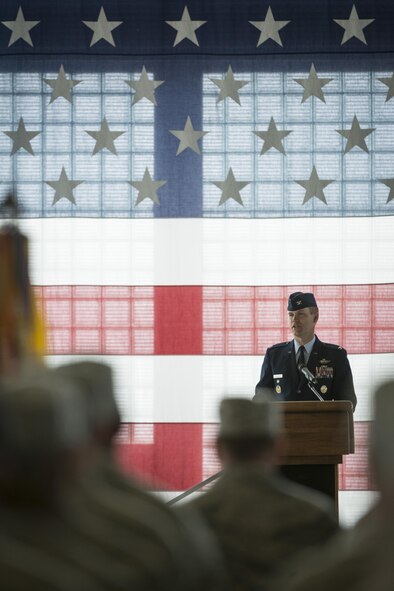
94 381
249 431
382 439
43 431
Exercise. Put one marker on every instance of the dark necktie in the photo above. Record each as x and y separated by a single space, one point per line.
300 362
301 356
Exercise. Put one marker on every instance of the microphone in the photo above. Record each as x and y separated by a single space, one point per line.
308 374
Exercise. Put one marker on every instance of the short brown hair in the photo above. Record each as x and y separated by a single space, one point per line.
246 449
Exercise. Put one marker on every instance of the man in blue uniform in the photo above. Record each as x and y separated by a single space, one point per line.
288 366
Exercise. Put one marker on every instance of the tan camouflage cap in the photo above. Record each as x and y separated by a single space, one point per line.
243 418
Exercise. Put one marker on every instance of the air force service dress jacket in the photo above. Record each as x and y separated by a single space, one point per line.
328 363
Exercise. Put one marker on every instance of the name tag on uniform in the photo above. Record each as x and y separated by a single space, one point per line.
278 375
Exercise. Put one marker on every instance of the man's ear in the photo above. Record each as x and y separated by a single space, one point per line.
219 448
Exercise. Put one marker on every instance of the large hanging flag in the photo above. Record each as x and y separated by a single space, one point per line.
182 169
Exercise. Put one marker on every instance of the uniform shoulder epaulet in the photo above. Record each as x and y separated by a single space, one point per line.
279 345
332 346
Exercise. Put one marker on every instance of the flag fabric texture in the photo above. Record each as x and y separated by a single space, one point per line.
180 169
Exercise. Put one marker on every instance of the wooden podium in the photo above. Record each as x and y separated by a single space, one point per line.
318 434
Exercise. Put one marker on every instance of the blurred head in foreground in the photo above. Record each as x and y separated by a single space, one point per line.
94 381
249 431
43 433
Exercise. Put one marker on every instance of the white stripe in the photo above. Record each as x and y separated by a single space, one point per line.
353 504
211 251
167 496
188 389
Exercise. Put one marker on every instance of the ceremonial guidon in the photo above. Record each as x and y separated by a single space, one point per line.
327 363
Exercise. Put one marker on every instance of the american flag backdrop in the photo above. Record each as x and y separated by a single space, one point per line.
181 168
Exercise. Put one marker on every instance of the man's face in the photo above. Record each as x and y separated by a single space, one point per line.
302 324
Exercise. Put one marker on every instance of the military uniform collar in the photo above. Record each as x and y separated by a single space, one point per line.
308 346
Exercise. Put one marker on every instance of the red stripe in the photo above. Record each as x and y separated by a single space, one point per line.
178 320
176 456
173 461
209 320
